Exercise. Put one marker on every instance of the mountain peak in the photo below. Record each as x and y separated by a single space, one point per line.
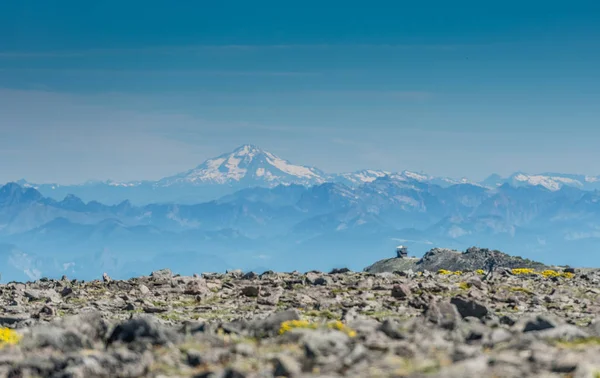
247 149
13 193
250 165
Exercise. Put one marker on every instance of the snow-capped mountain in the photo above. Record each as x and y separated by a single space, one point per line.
248 165
359 177
550 181
425 178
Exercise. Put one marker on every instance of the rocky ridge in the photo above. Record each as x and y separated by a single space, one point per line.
442 258
516 323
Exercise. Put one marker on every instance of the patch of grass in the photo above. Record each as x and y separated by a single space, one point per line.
170 316
326 314
521 290
186 303
220 314
77 300
578 343
380 315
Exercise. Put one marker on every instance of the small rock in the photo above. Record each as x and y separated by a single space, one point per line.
468 307
33 294
105 278
444 314
251 291
286 366
194 358
401 291
539 323
322 281
250 276
196 287
144 290
141 329
162 274
340 271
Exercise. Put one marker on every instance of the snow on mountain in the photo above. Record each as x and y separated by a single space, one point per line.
554 181
360 177
548 182
249 165
425 178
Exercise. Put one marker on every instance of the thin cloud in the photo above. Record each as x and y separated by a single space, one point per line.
127 72
231 47
401 95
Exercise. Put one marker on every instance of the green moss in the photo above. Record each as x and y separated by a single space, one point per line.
383 314
77 300
170 316
186 303
578 343
521 290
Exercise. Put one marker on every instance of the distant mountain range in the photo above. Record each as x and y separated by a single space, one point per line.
271 214
249 166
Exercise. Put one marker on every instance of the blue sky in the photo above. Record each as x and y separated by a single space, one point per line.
140 90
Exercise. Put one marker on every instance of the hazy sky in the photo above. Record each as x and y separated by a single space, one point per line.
143 89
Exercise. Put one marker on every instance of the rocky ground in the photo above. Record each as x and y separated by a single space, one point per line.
343 323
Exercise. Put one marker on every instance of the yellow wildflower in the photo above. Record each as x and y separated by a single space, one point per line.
550 273
293 324
449 272
480 271
517 271
9 337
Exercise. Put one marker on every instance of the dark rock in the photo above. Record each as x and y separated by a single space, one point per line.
233 373
539 323
250 276
66 291
468 307
141 329
129 307
507 320
340 271
322 281
251 291
401 291
194 358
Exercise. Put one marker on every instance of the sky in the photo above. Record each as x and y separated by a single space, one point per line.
130 90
